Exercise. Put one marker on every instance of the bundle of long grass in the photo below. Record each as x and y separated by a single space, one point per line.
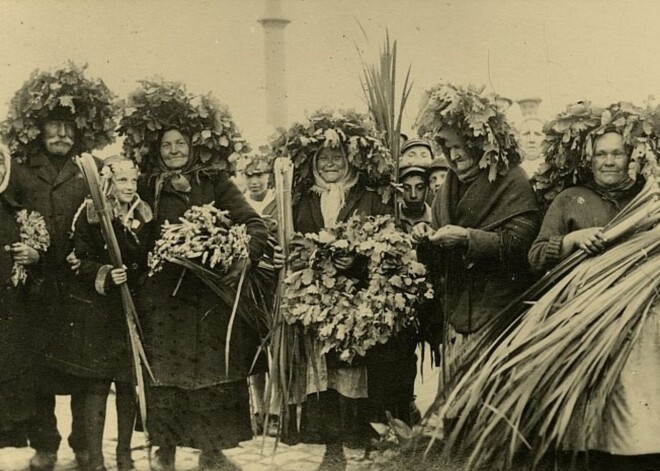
534 374
380 90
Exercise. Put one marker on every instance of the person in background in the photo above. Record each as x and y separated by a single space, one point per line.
437 175
52 118
414 181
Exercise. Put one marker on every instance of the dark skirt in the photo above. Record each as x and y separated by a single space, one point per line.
329 417
213 418
16 408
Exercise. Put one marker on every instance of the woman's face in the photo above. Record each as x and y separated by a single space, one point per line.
460 157
125 183
174 149
331 164
610 160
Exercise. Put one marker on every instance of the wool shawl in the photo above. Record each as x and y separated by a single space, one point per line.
502 218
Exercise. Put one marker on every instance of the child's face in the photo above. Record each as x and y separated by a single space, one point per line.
125 183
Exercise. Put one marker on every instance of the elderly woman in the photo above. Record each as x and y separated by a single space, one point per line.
330 186
485 216
631 422
194 402
16 379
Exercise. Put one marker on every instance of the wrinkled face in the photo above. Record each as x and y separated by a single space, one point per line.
257 184
459 155
531 137
414 189
610 160
331 164
58 136
436 179
174 149
418 152
125 184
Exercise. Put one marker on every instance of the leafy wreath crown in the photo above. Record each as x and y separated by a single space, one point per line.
570 137
477 119
88 101
158 106
324 128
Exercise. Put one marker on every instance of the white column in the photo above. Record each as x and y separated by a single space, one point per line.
274 24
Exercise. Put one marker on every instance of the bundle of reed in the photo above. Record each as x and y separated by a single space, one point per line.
535 371
87 165
380 91
287 344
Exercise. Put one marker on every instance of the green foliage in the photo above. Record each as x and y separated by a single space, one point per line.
89 101
476 118
158 106
353 131
347 315
570 139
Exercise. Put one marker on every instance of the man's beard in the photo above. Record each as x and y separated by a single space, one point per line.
413 208
61 147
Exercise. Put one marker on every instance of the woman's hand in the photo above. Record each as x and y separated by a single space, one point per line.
450 236
119 276
278 258
24 254
421 231
591 240
234 272
73 261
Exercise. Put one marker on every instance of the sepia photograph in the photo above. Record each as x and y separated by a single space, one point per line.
329 235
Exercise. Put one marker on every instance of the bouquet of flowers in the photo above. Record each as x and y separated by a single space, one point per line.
349 312
33 232
204 233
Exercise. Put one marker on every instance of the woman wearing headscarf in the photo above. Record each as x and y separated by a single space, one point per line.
339 165
485 216
194 402
16 375
589 177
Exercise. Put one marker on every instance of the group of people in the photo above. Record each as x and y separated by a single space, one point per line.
473 211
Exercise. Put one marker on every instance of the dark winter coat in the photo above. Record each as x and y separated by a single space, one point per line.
95 341
15 357
185 333
37 185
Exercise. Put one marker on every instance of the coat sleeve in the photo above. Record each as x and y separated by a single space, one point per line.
546 249
229 198
93 272
505 246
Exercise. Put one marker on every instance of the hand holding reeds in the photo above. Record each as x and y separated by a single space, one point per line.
592 240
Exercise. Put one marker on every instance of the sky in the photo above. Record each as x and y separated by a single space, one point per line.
561 51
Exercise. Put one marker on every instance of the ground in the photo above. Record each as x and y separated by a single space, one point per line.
255 455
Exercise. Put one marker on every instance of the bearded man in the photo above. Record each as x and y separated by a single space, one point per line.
53 118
